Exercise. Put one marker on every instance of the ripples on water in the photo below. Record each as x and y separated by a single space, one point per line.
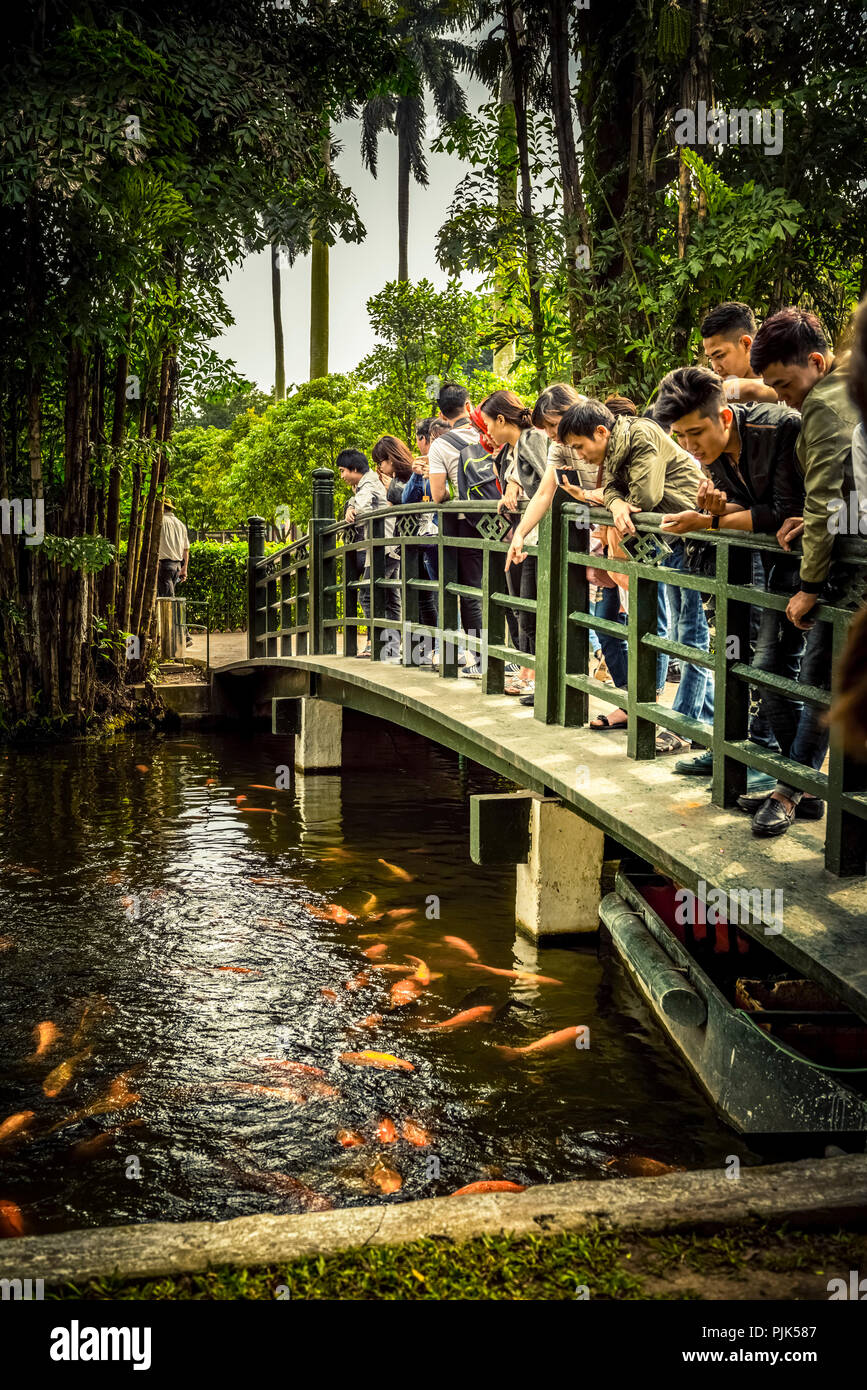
124 890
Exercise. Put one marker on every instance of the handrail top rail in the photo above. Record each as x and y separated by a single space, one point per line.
849 548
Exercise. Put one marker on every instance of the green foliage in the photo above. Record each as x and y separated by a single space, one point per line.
272 464
87 553
426 337
216 583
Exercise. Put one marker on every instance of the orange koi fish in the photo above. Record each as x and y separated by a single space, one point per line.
370 904
386 1132
332 913
523 975
211 782
384 1061
396 870
489 1186
12 1221
460 945
422 974
238 800
635 1166
140 767
376 952
237 969
91 1148
45 1036
414 1134
358 981
350 1138
259 811
118 1097
404 992
385 1178
6 943
61 1076
95 1009
561 1038
266 1180
372 1021
16 1124
263 787
481 1014
394 969
329 994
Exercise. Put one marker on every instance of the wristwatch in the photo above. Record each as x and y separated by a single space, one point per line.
714 523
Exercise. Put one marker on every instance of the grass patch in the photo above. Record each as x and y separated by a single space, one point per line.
613 1265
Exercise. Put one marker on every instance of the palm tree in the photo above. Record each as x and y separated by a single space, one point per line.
433 61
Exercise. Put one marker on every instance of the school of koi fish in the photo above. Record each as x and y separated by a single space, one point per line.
389 1005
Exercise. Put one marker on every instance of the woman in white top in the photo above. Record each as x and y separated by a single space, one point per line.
520 463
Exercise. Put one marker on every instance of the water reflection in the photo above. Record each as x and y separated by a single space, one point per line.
169 911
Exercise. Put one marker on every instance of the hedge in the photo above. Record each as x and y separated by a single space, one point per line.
217 580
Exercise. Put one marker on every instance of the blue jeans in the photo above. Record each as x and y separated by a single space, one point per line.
694 697
760 730
614 649
786 651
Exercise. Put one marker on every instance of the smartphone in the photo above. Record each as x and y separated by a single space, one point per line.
568 475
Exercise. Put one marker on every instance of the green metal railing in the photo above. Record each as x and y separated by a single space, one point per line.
303 600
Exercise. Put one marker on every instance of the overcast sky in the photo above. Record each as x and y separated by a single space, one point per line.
357 271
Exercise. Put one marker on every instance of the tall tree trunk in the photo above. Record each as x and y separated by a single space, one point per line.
403 181
319 303
507 203
154 504
277 312
576 225
112 513
516 39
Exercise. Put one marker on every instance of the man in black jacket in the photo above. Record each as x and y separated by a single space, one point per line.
748 453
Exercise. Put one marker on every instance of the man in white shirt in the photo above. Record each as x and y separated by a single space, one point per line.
454 403
174 556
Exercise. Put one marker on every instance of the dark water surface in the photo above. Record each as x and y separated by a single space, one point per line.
127 881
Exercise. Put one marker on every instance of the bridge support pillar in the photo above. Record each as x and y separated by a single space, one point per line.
559 888
318 743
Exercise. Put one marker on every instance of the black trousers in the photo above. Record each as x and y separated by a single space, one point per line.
167 577
469 570
521 582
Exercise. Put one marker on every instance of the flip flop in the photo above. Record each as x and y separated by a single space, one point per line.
602 724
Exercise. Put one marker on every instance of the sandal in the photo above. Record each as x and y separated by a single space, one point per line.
601 724
667 742
515 687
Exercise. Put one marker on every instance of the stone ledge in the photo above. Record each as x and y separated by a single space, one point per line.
825 1192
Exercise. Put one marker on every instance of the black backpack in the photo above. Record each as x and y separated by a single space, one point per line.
477 476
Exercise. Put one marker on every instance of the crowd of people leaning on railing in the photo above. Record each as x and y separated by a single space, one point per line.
770 438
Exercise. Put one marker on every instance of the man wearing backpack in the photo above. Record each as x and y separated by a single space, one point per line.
456 460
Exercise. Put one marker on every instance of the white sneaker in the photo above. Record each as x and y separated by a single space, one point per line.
471 672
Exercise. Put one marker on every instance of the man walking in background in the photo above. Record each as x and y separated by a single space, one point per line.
174 556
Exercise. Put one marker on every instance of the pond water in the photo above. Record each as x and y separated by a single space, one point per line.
178 941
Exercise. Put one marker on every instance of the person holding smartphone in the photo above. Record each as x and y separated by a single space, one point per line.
520 464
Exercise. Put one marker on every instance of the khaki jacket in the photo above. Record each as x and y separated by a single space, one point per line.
644 466
824 455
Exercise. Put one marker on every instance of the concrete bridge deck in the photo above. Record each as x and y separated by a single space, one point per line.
667 819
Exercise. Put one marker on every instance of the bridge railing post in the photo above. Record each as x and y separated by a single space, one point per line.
255 552
322 516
